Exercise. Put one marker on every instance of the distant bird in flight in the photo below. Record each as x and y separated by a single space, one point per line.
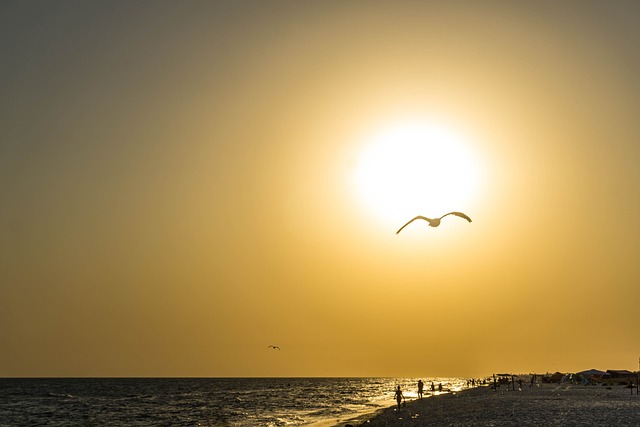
434 222
274 347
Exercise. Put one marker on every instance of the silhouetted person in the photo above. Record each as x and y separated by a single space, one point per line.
399 397
420 387
440 387
433 387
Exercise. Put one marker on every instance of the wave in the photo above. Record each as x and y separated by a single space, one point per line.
221 402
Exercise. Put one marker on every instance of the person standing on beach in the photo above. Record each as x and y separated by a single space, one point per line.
420 387
399 396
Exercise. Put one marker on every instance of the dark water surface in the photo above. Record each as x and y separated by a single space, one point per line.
232 402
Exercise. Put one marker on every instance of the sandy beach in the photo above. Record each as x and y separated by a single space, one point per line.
546 404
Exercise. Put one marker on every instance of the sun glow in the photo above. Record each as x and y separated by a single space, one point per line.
408 169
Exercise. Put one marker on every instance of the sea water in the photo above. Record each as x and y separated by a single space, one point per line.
219 402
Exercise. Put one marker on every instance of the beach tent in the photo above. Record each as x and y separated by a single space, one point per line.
556 378
591 376
620 373
594 373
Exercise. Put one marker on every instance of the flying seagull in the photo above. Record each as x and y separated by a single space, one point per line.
274 347
434 222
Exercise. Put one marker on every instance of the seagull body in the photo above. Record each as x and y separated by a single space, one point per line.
434 222
274 347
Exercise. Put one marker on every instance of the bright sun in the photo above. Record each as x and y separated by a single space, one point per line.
416 168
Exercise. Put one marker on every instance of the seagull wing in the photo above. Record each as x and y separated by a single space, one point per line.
460 214
413 219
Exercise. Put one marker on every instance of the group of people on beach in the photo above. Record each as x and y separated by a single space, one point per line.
472 382
400 397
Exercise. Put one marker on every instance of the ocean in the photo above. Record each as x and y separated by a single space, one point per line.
216 402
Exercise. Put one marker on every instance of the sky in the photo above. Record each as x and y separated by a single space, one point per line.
183 184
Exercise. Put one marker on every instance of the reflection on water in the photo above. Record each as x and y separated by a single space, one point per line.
228 402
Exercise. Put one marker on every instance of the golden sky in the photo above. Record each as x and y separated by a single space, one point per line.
185 183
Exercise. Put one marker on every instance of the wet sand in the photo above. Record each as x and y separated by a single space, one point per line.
546 404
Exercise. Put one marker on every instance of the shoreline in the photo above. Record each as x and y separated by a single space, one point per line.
544 404
361 419
365 418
